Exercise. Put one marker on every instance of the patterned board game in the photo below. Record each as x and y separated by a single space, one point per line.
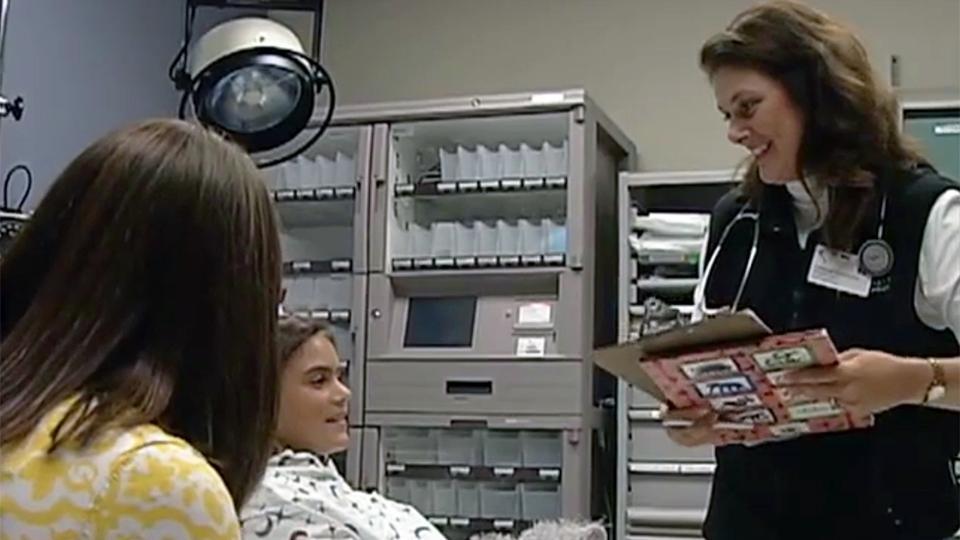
742 383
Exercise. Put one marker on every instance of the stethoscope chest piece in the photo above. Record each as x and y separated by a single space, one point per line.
875 258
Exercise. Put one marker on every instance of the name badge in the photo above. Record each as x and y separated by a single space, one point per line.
839 271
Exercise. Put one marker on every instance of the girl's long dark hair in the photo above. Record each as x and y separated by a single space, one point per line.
146 285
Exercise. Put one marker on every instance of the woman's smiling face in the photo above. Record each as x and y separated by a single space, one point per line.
763 119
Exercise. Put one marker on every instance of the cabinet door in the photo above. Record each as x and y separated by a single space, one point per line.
938 132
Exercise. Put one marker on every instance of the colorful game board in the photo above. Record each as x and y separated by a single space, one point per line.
741 382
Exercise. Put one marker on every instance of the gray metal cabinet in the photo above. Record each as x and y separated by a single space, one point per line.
933 120
662 488
487 222
322 200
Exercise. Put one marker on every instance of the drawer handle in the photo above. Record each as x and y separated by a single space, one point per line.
465 423
470 388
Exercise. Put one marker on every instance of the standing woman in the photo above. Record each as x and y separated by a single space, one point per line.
839 224
137 354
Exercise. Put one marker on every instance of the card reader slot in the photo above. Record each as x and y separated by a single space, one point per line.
469 388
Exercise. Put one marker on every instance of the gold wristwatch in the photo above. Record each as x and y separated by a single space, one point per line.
938 385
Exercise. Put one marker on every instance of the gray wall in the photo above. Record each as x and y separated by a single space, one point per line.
84 67
87 66
637 57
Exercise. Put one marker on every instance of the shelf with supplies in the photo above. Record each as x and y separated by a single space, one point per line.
664 221
400 264
655 259
472 472
328 296
334 316
329 193
663 285
316 207
471 207
471 500
651 523
638 310
326 266
502 243
437 188
672 468
481 448
471 526
471 174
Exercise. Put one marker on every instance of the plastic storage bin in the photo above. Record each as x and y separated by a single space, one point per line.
410 446
444 498
502 449
540 501
499 501
398 490
421 496
542 449
333 291
460 447
468 499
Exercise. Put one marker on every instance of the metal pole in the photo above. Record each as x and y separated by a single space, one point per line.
4 6
317 30
7 107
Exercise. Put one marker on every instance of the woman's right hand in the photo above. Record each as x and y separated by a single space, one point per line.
698 433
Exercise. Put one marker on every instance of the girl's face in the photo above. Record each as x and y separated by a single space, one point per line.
313 400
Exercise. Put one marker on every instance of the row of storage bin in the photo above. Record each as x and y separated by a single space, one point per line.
479 447
472 499
503 237
503 162
305 173
315 292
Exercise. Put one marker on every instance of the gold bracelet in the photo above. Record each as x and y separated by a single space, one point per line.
938 385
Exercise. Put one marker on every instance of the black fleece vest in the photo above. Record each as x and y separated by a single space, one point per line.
892 481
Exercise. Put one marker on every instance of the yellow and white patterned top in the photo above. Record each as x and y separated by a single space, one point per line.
135 483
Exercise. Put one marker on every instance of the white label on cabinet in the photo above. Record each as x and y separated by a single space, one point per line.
550 474
545 98
947 129
459 471
534 313
531 346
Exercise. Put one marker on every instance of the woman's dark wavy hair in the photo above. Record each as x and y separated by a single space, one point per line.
851 135
146 286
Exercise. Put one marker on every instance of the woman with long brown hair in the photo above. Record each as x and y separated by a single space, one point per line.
137 355
839 224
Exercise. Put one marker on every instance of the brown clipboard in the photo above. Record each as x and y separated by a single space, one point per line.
624 360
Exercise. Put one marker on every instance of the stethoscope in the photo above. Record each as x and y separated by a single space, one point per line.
874 259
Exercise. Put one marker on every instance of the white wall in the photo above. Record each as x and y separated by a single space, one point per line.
83 68
638 58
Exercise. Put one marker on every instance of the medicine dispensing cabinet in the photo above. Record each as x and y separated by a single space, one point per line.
932 119
464 250
662 488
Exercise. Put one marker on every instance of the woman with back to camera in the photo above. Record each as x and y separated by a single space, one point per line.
838 224
303 494
137 354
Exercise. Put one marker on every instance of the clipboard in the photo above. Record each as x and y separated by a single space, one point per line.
733 363
623 360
